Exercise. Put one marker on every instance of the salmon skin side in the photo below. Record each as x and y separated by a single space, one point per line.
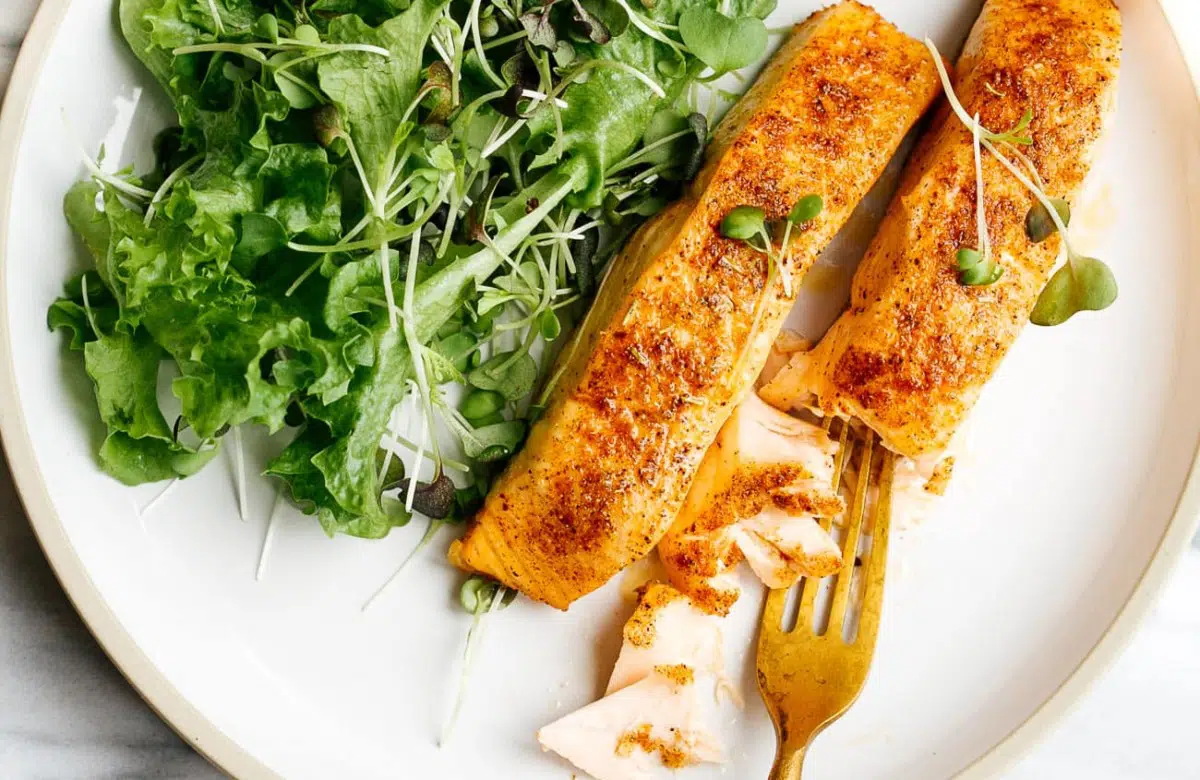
914 350
667 349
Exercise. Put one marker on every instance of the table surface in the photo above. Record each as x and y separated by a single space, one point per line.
66 712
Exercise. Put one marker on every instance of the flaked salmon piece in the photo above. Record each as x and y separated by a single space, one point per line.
660 711
667 629
670 343
781 548
915 348
666 721
786 344
758 494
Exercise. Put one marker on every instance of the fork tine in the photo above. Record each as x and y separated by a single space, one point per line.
772 618
841 594
881 521
843 455
808 595
845 447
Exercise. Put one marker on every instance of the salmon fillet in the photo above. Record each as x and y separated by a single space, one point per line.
667 349
912 353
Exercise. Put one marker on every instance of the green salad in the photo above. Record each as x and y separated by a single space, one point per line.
373 205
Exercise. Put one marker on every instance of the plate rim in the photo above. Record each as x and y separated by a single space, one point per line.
223 751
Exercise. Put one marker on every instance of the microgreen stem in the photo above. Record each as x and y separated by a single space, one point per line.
385 273
1037 193
247 50
960 112
784 245
474 637
268 536
493 43
445 57
622 68
116 182
239 465
368 191
1028 163
212 9
503 139
414 347
477 39
651 27
545 77
985 244
411 446
430 532
87 306
542 96
165 187
422 438
640 153
162 494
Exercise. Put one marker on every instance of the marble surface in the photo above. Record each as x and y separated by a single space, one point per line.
66 712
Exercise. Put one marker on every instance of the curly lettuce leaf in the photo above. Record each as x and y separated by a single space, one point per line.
372 92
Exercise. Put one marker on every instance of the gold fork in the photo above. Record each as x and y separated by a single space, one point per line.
808 680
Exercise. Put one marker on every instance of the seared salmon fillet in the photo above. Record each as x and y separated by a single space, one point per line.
668 349
912 353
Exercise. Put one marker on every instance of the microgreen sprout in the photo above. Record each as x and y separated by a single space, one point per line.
721 42
748 224
103 177
975 266
480 597
1081 283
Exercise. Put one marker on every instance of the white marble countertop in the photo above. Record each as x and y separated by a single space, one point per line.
65 711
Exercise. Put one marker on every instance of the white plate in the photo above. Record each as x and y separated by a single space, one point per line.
1057 530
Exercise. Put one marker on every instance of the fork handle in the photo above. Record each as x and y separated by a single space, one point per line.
788 761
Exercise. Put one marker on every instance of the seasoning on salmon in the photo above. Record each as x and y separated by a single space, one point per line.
915 348
668 350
